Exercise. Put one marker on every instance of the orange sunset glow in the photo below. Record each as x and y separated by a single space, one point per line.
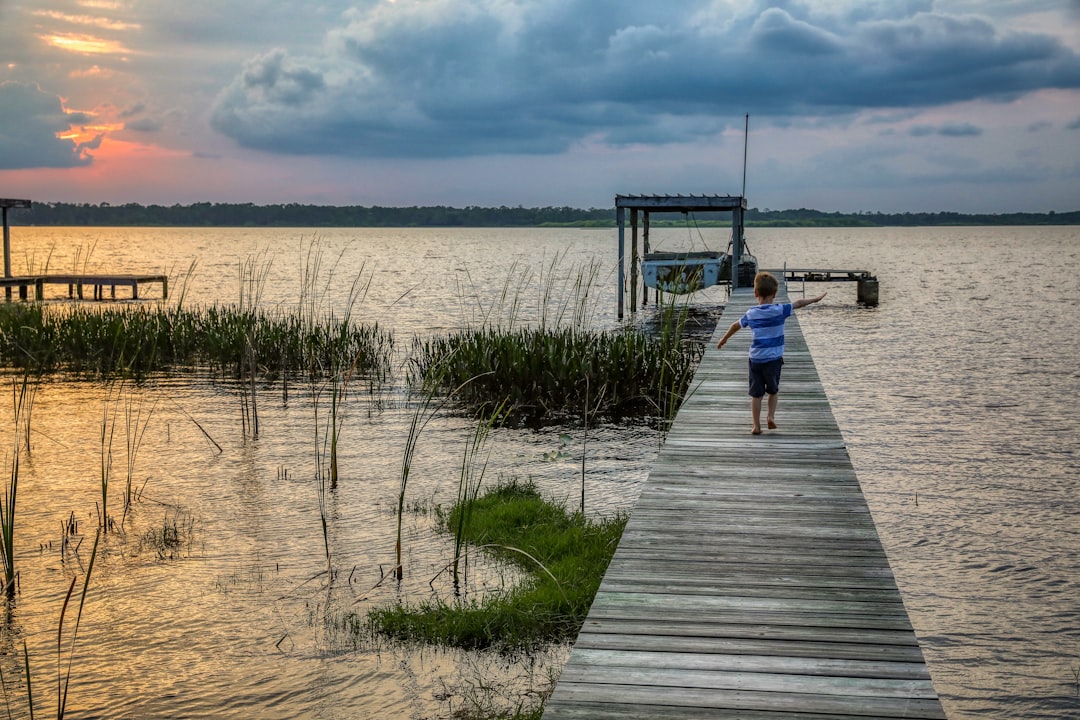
100 22
84 44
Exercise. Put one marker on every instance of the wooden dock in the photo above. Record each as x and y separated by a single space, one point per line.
77 284
750 581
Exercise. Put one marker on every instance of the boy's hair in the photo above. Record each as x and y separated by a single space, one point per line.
765 285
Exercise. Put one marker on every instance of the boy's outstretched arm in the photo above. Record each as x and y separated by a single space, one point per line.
808 301
735 326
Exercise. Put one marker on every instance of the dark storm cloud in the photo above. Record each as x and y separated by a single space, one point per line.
946 130
146 125
29 122
445 78
133 111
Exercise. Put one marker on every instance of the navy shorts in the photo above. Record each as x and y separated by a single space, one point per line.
765 377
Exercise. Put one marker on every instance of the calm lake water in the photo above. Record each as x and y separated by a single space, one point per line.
956 396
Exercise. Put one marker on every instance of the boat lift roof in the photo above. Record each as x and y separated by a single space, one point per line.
681 203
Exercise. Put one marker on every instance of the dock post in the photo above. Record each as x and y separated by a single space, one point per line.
866 291
645 251
620 220
737 224
165 289
7 246
633 260
7 252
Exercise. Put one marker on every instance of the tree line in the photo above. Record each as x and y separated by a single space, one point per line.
207 214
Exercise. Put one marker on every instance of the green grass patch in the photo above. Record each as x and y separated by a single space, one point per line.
563 555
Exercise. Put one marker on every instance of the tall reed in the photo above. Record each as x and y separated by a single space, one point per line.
472 475
62 686
63 673
674 381
22 397
134 431
253 274
108 431
423 412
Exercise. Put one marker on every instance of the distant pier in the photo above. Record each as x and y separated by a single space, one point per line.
750 581
76 283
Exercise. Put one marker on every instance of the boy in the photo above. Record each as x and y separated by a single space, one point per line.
766 322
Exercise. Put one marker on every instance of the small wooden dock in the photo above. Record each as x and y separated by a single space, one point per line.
866 283
750 581
77 284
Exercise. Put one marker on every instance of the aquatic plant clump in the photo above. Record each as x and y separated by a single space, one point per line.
121 341
564 556
545 374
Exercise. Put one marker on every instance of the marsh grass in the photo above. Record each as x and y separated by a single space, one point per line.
541 369
564 555
542 374
172 538
227 341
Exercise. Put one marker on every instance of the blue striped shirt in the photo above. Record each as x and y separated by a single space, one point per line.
766 322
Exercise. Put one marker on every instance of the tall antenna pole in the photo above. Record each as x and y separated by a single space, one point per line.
746 142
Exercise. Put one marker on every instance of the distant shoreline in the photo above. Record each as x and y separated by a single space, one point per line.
50 214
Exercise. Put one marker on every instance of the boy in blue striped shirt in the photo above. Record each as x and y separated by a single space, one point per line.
766 322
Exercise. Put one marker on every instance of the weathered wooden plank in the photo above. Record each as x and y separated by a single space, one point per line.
651 671
586 710
734 699
695 643
772 632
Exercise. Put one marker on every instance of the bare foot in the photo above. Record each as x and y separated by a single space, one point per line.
755 431
772 424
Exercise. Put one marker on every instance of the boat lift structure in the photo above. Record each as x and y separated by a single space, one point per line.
678 271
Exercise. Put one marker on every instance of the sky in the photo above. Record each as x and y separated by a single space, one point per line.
852 105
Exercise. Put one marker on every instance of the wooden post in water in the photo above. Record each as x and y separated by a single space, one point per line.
6 203
866 292
7 246
633 259
620 220
736 243
645 251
